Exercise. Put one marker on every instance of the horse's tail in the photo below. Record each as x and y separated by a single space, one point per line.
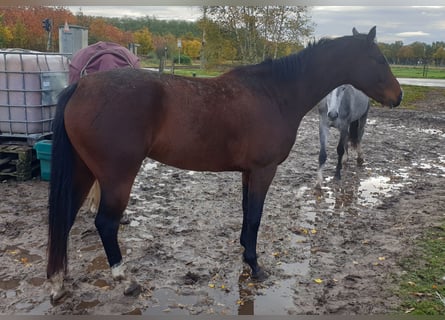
354 133
61 204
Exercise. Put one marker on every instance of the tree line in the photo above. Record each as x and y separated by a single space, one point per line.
224 33
415 53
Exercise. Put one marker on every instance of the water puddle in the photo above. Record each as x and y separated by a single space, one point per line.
276 300
9 284
372 190
87 304
37 282
168 302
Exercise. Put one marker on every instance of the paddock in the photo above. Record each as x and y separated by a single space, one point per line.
324 252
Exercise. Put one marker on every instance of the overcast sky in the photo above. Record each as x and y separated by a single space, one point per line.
394 23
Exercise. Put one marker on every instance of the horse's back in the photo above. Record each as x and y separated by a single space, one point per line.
191 123
357 101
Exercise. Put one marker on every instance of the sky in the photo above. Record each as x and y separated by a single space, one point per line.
394 23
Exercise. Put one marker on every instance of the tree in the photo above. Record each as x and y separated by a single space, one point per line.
283 24
20 36
406 55
192 48
258 31
25 23
144 38
391 50
439 56
5 34
100 30
217 44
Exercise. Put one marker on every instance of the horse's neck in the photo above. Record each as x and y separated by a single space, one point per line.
323 71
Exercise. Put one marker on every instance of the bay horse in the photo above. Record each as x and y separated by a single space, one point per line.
346 109
244 120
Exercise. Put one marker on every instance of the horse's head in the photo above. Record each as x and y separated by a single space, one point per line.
333 102
370 71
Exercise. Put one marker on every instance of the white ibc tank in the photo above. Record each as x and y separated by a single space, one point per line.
29 84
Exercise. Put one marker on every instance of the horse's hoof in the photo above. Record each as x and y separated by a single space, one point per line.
57 288
133 289
125 219
55 296
260 275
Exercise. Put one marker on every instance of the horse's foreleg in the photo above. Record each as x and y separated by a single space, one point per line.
245 181
342 148
257 187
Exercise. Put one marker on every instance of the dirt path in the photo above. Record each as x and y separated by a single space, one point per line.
335 252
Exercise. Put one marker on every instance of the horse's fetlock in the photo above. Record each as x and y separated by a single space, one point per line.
118 271
57 287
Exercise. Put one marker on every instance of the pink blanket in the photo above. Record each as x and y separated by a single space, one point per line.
100 56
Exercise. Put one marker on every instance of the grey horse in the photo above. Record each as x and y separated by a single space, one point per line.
346 109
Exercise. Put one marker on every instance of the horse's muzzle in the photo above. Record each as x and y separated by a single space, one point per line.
332 115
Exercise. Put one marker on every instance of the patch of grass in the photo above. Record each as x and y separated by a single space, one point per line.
197 72
412 94
423 280
418 72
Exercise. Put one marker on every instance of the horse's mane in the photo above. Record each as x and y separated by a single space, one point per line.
286 68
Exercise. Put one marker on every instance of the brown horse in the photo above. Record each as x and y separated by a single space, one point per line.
244 120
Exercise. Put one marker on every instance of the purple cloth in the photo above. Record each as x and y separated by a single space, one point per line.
100 56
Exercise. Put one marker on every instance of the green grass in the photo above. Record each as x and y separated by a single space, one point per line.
423 277
418 72
413 94
197 72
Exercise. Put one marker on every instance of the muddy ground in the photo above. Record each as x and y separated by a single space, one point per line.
337 252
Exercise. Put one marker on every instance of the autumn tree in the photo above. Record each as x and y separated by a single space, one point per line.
217 44
145 39
192 48
25 23
5 34
100 30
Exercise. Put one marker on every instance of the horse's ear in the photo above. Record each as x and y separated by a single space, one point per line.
354 32
371 35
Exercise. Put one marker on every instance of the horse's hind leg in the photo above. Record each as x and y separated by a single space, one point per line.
342 148
360 131
82 181
115 194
